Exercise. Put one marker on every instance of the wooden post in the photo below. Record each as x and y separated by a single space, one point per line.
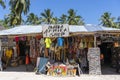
94 41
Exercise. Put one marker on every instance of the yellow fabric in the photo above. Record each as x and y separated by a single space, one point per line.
90 45
48 42
8 53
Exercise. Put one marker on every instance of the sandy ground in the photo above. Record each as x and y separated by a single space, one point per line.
19 73
33 76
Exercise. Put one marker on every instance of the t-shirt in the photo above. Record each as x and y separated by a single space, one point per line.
9 53
60 41
48 42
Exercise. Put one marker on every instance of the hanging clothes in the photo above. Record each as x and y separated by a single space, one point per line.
16 38
42 42
60 41
81 44
89 44
8 53
48 42
15 52
32 48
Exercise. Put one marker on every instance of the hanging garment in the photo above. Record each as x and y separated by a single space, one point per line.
27 61
15 52
52 47
57 53
42 41
81 44
60 41
76 44
16 38
9 53
89 44
70 40
84 43
77 53
32 48
48 42
17 49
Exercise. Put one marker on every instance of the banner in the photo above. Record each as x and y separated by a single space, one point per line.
55 30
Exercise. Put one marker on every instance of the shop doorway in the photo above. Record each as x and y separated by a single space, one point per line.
22 50
19 63
106 50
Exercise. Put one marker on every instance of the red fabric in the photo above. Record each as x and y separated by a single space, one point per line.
17 39
27 60
38 36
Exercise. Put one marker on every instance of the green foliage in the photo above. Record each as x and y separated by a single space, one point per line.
74 19
33 19
107 20
47 16
118 22
2 3
63 19
17 7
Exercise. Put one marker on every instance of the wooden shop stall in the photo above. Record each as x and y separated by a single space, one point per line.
57 50
20 47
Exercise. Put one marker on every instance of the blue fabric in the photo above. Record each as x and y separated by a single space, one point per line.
42 63
60 41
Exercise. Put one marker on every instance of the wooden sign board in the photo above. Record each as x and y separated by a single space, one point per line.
94 61
55 30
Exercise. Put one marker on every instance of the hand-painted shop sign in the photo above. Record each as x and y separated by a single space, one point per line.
55 30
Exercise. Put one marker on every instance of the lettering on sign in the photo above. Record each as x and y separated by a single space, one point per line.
58 30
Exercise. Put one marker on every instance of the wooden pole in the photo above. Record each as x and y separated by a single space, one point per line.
94 41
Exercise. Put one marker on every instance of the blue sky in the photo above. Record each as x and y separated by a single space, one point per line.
90 10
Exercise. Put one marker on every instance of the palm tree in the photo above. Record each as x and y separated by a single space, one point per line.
1 22
2 3
107 20
80 21
4 23
47 16
63 19
19 6
55 20
33 19
118 22
2 27
11 20
74 19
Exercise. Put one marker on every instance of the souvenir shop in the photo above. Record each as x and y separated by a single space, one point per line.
62 49
67 55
